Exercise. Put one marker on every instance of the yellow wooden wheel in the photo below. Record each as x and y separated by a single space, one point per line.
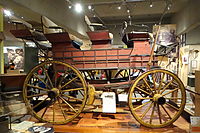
162 98
55 92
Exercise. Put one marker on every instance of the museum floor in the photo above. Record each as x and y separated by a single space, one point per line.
115 123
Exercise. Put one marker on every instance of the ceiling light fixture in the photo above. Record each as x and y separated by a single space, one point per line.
129 16
78 8
89 7
169 6
7 13
119 7
128 10
70 7
151 4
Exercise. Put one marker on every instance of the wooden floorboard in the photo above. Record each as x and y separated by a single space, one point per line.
121 123
97 122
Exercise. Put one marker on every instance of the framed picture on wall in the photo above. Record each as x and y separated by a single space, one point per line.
15 55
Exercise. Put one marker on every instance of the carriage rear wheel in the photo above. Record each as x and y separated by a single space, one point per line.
162 98
55 92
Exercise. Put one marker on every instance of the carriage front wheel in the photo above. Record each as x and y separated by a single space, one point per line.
157 98
55 92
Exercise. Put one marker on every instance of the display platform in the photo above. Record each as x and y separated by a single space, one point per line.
96 122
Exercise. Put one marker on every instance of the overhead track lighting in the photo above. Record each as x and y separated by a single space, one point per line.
151 4
78 8
7 12
89 7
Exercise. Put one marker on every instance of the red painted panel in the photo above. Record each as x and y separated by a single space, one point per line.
98 35
79 65
89 53
124 64
24 34
58 54
113 57
77 53
100 58
112 52
125 51
58 37
100 52
112 64
100 65
89 65
89 58
101 46
67 54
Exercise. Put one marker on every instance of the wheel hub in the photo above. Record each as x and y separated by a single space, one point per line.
53 93
159 99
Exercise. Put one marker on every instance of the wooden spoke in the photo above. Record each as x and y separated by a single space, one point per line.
141 98
173 107
81 93
170 91
152 113
68 104
63 77
147 110
40 96
61 108
48 76
166 111
40 103
166 87
37 87
147 84
142 90
37 95
133 97
159 113
68 83
161 81
55 75
73 98
76 89
53 112
46 109
41 80
154 82
173 98
141 105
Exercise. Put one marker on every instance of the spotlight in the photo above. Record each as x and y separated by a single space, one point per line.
78 7
151 4
119 7
70 7
7 13
169 6
129 16
89 7
128 10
